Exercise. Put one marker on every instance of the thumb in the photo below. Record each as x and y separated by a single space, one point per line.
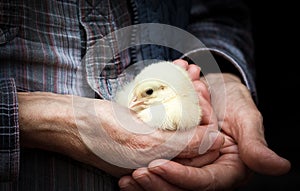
257 156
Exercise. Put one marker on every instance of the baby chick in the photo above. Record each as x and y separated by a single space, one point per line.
163 96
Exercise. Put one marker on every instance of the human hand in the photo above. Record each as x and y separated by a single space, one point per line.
217 168
228 171
240 119
138 144
225 173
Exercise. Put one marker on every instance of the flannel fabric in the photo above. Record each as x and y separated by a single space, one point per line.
9 131
42 47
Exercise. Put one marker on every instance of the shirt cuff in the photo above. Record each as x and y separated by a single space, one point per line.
9 131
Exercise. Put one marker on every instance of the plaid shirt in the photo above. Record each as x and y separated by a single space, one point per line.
42 44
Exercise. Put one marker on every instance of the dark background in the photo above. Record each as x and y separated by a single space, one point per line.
276 58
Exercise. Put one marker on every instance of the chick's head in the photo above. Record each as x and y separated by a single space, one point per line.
149 93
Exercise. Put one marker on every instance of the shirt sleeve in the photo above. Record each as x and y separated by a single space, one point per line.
9 131
224 27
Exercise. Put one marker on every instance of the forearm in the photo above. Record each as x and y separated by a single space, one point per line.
47 122
42 118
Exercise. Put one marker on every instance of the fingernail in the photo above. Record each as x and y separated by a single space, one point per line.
156 163
156 166
140 173
208 140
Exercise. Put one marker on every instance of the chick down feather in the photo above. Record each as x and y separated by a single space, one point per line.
163 96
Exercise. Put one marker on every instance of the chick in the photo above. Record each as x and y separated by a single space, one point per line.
163 96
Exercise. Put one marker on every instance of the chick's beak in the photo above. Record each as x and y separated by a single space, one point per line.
134 103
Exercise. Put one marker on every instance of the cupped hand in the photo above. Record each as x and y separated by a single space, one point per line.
225 173
239 118
244 146
119 137
185 173
132 144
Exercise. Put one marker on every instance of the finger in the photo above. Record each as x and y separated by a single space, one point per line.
254 145
205 139
194 71
208 115
251 141
127 183
268 163
211 177
150 181
181 63
200 87
200 160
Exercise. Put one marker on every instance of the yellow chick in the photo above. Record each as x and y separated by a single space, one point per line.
163 96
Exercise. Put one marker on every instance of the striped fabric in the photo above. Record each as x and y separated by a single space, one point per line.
9 131
43 46
46 52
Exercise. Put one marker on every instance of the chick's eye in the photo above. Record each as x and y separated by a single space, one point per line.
149 91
